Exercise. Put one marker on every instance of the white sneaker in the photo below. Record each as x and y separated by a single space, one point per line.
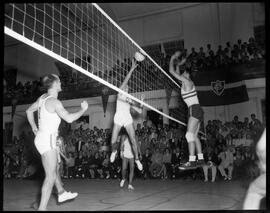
113 155
130 187
139 165
67 196
122 183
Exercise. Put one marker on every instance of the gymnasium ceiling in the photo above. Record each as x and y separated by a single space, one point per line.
127 11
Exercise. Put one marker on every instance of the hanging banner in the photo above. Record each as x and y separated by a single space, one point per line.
220 87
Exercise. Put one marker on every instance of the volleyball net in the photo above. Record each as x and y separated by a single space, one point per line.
84 37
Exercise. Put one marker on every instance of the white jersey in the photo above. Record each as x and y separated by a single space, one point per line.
190 98
47 121
122 106
127 149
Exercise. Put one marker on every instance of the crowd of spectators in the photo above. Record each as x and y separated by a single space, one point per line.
239 53
20 90
162 149
205 59
238 138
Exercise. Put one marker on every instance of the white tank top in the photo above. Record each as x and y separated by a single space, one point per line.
127 149
122 106
47 121
190 98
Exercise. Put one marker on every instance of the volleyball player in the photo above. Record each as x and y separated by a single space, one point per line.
60 152
50 111
257 189
127 159
195 112
123 118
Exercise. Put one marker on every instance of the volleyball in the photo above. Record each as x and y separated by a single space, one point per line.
139 57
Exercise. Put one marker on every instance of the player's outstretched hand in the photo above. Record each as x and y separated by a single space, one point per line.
84 105
176 54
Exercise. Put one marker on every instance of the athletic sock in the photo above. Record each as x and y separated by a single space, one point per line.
61 192
200 156
192 157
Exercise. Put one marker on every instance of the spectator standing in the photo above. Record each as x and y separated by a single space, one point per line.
167 163
105 165
228 46
156 164
146 161
127 159
176 160
70 165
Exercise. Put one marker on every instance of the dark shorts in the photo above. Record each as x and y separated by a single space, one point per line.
196 111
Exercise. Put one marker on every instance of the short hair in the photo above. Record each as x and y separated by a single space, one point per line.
48 80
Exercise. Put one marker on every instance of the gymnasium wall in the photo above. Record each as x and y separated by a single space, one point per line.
197 25
31 63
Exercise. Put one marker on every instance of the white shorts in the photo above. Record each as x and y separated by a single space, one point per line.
122 119
45 141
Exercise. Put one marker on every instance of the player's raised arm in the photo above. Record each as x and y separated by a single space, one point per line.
133 67
65 115
173 71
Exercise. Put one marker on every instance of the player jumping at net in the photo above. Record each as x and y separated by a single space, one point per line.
123 118
50 111
195 113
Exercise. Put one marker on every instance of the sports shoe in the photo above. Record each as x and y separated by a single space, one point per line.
67 196
130 187
112 157
205 180
139 165
188 165
212 181
225 178
229 178
122 183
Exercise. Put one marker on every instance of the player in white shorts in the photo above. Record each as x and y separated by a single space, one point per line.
195 113
123 118
127 158
60 152
50 111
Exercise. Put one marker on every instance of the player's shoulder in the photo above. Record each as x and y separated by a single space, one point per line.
52 100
